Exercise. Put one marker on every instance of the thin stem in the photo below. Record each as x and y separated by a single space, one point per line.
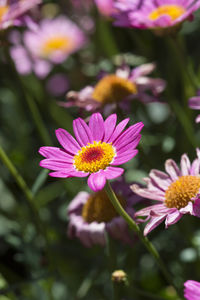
149 246
28 196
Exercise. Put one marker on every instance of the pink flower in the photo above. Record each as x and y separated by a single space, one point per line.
10 11
50 42
117 89
176 193
54 39
97 149
192 290
92 215
194 103
155 14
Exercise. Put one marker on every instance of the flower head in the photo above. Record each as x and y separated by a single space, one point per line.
192 290
95 152
92 215
118 89
54 39
176 191
10 11
194 103
155 14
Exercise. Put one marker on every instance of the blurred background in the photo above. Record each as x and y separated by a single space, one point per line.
37 259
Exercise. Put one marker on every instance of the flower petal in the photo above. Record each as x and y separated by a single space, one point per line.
56 165
123 158
161 179
59 174
82 132
172 218
67 141
185 165
55 153
128 135
146 193
109 126
96 125
119 128
96 181
153 223
172 169
112 172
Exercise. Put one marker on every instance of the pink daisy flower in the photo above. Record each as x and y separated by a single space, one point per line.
92 215
105 7
192 290
54 39
176 193
10 11
117 89
157 14
194 103
97 149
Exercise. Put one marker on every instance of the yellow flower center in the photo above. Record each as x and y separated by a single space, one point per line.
53 44
3 11
180 192
112 88
94 157
173 11
99 208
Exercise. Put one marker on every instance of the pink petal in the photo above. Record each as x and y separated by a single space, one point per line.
185 165
194 102
75 173
56 153
109 126
172 169
172 218
158 209
129 147
56 165
123 158
161 179
80 199
196 208
59 174
82 132
146 193
67 141
188 209
112 172
153 223
96 181
119 128
128 135
96 125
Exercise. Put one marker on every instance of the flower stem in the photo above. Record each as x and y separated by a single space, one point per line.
133 226
29 199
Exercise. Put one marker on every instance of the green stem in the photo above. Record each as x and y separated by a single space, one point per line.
28 196
149 246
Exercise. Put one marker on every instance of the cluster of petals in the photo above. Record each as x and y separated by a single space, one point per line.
154 14
157 184
123 143
192 290
194 103
94 233
137 76
11 11
61 35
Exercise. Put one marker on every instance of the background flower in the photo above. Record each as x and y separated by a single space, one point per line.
177 193
92 215
118 89
155 14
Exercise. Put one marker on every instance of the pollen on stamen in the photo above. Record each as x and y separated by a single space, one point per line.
98 208
56 43
113 88
173 11
94 157
183 190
